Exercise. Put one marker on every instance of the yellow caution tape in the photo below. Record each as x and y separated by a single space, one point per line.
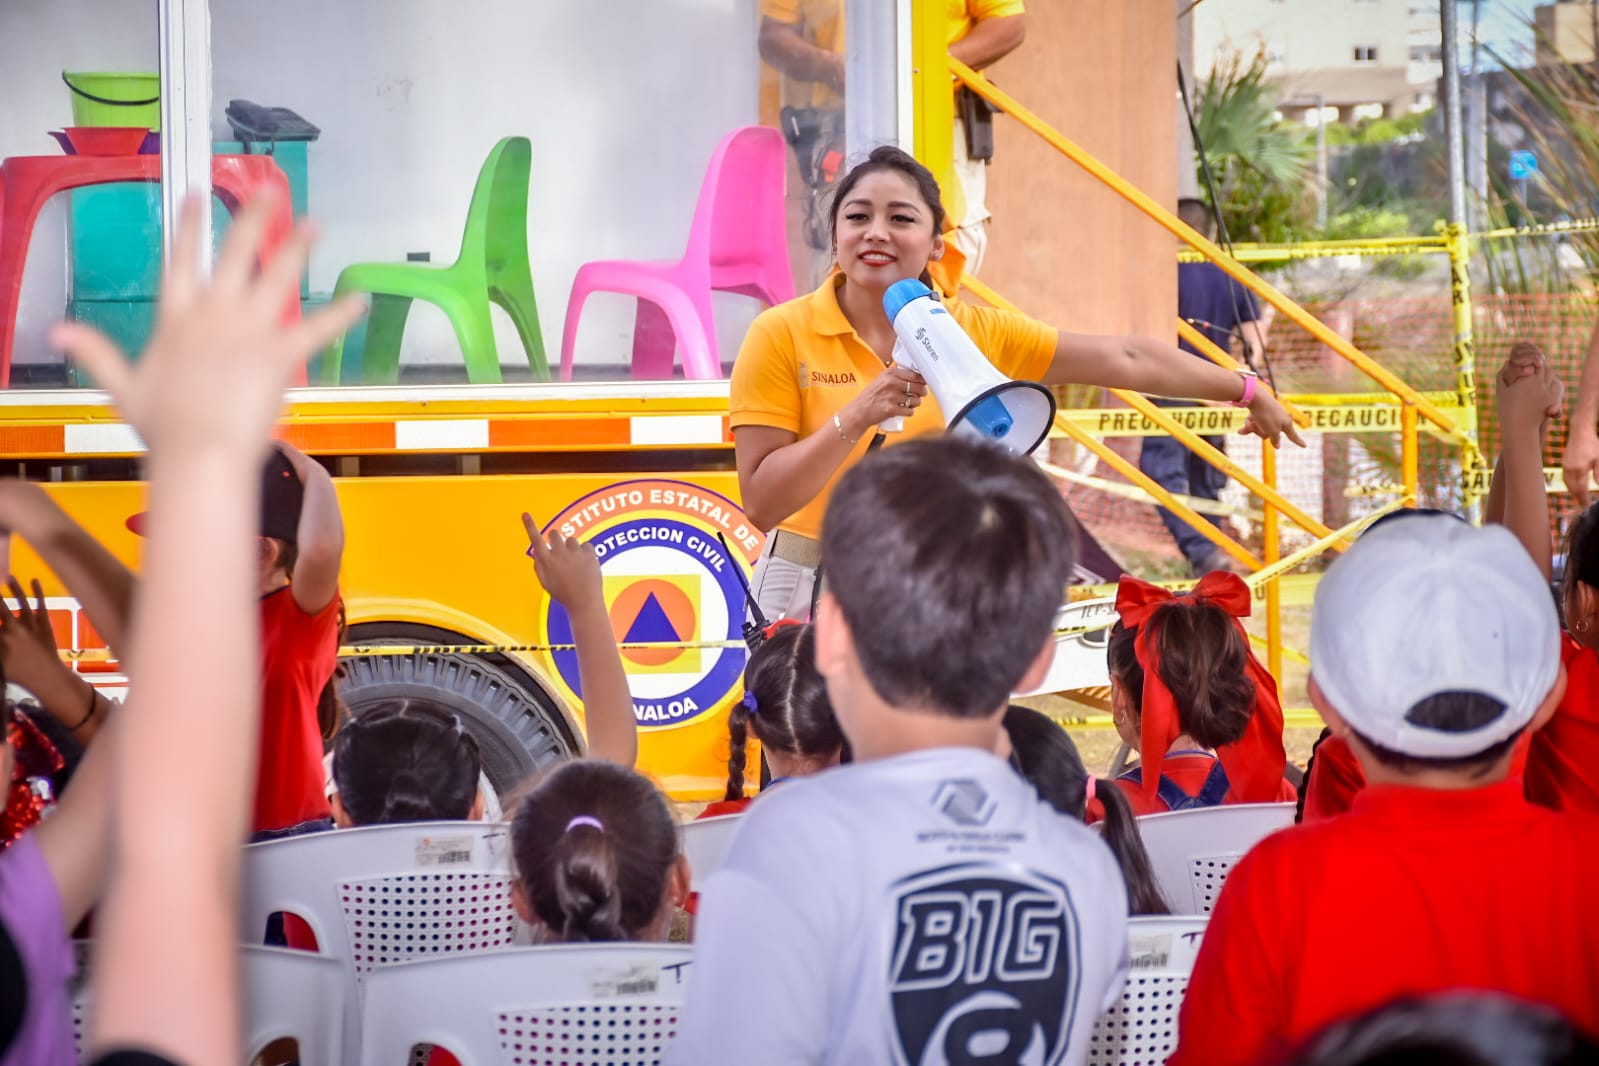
1381 417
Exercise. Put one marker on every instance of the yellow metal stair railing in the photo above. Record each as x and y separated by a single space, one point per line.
1414 405
1141 200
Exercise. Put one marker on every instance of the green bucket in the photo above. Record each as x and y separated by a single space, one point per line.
115 99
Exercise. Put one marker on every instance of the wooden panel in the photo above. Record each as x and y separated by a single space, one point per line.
1062 246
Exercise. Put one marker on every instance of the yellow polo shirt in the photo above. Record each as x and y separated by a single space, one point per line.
964 14
802 362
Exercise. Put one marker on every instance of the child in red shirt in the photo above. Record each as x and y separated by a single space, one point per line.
785 705
1434 648
1188 693
302 544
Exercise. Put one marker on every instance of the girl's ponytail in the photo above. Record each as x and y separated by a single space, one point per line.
738 722
594 846
584 876
1120 830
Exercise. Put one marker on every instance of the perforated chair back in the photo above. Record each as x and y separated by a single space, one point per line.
705 843
386 894
1141 1029
595 1004
287 995
1192 852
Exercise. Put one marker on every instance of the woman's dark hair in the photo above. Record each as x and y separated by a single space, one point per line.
1204 662
882 158
405 760
594 844
792 713
1044 755
1453 1029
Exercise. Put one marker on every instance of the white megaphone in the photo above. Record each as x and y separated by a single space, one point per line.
977 400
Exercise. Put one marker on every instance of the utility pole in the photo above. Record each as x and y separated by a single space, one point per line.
1321 162
1452 116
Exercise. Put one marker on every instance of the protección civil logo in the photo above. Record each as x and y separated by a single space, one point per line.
667 580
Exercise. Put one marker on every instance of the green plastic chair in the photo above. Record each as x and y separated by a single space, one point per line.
493 265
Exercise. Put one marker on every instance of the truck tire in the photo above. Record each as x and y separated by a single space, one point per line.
518 727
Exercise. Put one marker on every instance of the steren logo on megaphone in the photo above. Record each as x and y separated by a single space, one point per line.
977 400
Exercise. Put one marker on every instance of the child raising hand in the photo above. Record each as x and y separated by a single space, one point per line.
569 570
203 396
1563 758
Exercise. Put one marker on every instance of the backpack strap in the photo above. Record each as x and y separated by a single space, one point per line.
1214 790
1211 794
1166 790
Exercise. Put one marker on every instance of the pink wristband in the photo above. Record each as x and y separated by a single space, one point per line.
1251 382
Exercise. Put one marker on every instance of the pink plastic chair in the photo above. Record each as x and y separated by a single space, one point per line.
737 244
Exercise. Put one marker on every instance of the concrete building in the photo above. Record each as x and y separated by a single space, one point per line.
1565 31
1355 58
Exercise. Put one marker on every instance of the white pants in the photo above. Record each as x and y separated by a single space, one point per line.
782 589
971 236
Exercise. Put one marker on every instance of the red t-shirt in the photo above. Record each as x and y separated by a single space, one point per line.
1563 763
1413 891
1335 775
298 654
1188 772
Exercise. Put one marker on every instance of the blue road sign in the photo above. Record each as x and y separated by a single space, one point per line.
1523 165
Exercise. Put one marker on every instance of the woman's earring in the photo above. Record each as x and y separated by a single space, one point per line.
1582 625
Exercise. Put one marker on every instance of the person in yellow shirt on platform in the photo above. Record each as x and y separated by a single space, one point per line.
814 376
804 41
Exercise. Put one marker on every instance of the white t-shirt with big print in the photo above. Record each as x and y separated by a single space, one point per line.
920 910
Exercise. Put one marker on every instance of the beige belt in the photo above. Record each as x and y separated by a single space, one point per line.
793 548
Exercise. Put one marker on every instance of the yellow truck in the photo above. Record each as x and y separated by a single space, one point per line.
433 483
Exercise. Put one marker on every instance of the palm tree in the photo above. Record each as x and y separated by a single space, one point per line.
1261 165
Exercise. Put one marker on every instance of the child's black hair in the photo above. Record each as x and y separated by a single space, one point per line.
792 713
406 760
948 559
594 845
1044 755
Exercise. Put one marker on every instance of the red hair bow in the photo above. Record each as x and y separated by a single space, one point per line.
1255 762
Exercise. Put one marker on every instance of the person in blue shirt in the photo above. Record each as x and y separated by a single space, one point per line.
1222 309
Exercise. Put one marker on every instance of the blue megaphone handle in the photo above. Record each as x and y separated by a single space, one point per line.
897 295
990 417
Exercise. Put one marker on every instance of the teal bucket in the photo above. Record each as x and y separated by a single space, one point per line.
115 99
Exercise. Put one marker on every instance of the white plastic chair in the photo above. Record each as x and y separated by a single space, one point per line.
1193 851
1141 1029
705 845
594 1004
287 995
386 894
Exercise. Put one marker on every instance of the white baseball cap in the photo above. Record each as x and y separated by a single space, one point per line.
1427 604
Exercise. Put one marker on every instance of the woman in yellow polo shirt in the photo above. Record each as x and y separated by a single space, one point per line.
815 376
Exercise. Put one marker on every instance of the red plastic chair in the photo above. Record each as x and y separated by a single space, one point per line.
737 244
29 181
